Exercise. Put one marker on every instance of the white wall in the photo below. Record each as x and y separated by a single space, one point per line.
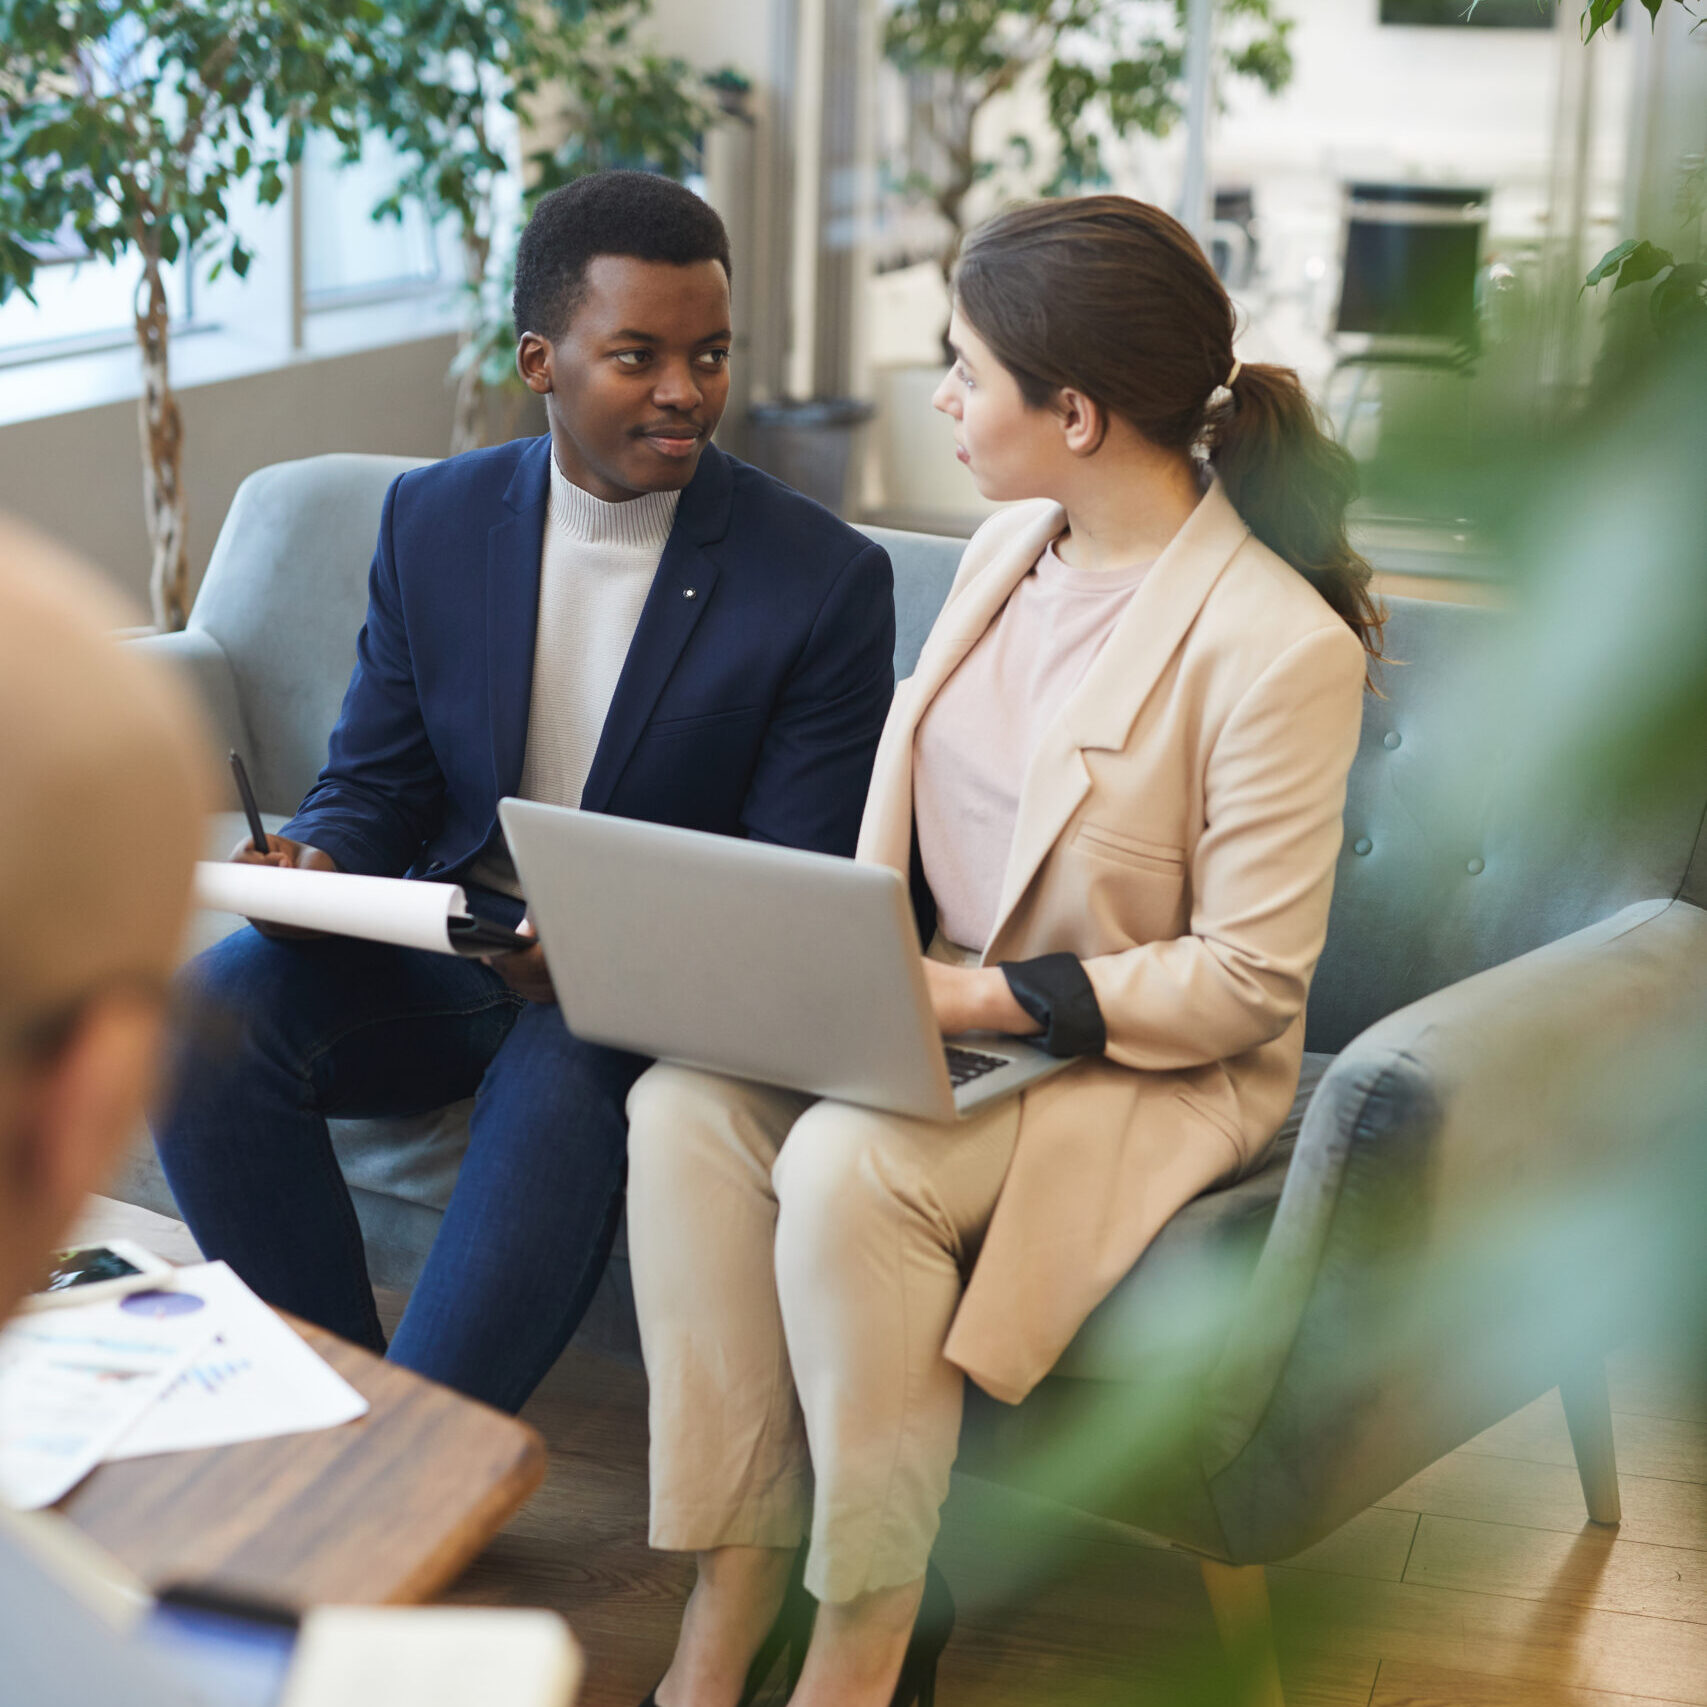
78 475
1370 98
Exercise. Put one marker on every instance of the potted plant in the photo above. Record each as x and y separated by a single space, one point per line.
125 128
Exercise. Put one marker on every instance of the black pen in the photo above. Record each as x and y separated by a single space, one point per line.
257 830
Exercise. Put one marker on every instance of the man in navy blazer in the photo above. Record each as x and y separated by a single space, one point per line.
745 705
546 616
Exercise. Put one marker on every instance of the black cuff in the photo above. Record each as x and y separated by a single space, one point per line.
1054 990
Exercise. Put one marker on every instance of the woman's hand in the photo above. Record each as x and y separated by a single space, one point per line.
974 998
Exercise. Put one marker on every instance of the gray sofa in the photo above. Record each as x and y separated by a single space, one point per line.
1299 1343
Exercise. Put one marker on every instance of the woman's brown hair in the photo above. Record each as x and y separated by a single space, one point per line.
1113 298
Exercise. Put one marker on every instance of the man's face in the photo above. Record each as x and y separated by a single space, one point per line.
636 384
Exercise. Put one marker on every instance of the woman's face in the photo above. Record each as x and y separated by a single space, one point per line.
1011 449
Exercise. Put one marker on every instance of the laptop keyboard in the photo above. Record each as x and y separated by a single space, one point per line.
965 1065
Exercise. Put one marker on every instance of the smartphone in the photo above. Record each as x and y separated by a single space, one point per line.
236 1651
87 1273
481 937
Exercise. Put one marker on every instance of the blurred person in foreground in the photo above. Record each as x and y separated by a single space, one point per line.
1117 778
104 790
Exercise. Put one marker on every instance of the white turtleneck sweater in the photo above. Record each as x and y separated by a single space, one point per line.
595 569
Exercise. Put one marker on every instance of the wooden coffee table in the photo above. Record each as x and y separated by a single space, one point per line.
390 1507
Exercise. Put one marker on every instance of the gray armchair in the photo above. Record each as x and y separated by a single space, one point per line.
1296 1345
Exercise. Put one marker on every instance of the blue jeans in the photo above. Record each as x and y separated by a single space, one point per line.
282 1034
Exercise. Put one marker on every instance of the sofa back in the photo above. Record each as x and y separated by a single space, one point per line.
1430 888
1450 864
285 595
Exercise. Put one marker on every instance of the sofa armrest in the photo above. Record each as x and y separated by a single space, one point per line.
202 662
1468 1191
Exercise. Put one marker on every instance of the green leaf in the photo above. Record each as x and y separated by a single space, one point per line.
1609 262
1680 297
1600 13
1641 263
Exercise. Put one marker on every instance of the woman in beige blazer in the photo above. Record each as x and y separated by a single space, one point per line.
1120 767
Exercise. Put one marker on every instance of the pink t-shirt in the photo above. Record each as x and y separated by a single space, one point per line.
974 742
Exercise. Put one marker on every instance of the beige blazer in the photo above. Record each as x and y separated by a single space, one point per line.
1177 830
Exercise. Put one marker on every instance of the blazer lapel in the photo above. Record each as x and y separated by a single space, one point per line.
680 592
886 829
1102 709
512 611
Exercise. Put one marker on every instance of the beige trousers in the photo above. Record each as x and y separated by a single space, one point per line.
796 1267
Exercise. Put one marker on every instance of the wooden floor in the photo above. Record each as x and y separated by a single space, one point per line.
1480 1583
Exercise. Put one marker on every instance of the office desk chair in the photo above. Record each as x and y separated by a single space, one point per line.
1411 254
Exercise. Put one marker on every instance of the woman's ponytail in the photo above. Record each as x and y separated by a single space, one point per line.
1292 483
1114 298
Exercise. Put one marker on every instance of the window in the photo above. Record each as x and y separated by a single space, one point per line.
350 257
82 304
347 259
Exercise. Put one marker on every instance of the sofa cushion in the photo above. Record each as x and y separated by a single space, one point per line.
411 1156
1195 1270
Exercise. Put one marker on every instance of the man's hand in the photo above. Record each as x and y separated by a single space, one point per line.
283 852
974 998
524 970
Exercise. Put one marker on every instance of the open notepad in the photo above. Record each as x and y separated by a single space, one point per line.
411 914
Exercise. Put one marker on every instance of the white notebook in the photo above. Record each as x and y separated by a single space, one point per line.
404 911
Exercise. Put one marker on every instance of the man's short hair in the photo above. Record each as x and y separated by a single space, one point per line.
639 214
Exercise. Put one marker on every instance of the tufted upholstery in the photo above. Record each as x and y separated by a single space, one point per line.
1232 1382
1438 880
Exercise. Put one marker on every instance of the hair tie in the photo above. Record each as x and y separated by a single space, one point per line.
1217 409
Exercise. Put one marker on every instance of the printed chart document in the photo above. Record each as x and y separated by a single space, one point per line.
198 1362
74 1380
410 913
254 1380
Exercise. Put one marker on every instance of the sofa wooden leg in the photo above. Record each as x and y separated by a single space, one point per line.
1588 1411
1238 1596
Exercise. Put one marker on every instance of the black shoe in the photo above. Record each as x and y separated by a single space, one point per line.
786 1639
916 1686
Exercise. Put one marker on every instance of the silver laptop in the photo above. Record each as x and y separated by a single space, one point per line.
766 963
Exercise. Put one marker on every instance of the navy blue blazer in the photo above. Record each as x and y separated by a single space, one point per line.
750 703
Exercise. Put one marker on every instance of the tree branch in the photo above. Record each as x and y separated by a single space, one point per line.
209 68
